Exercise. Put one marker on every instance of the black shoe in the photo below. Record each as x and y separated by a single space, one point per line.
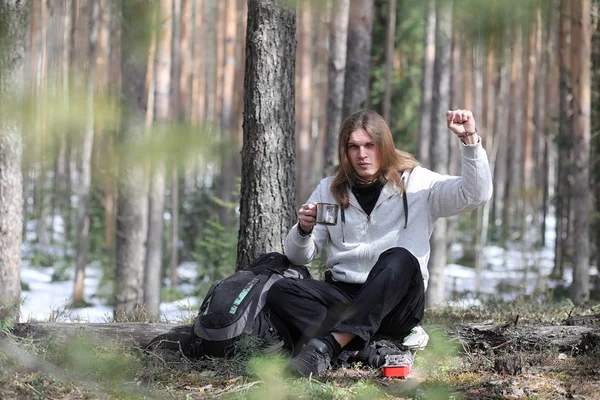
314 359
375 356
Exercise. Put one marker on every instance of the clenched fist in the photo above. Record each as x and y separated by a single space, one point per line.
462 123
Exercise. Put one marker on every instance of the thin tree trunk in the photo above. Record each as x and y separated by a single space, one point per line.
439 145
154 251
512 156
199 65
267 194
132 205
501 135
210 55
185 60
304 98
174 259
319 104
220 56
542 134
389 60
238 96
424 138
338 37
457 101
580 190
229 151
488 124
358 58
85 162
562 140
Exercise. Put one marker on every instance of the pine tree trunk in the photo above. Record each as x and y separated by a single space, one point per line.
220 56
185 60
267 194
580 189
512 157
389 61
338 37
358 58
13 20
319 103
501 129
85 161
210 57
199 65
230 151
425 113
132 204
563 138
238 97
174 259
542 77
457 101
304 98
439 145
156 205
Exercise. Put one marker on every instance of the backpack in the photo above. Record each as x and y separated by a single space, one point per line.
235 306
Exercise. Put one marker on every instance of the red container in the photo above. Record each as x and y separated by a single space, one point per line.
396 371
397 365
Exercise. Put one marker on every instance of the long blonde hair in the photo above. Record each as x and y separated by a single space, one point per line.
393 162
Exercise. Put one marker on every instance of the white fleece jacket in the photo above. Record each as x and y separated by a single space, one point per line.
355 245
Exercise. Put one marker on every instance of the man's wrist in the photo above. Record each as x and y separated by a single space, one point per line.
469 137
302 232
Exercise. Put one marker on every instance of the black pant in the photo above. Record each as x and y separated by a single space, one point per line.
390 303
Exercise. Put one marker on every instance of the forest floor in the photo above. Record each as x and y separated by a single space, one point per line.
446 369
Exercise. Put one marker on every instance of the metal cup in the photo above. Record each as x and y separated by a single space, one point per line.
327 213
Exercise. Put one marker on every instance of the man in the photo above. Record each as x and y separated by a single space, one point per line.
377 254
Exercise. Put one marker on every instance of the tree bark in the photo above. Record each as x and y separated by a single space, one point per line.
13 17
439 145
132 334
562 142
185 60
156 205
174 259
230 164
304 99
514 117
509 338
338 37
210 57
267 193
389 61
132 204
85 161
424 138
358 58
198 111
581 133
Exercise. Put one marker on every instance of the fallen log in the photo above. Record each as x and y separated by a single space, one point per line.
565 338
125 334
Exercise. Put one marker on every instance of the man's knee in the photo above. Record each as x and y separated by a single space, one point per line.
281 292
398 259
